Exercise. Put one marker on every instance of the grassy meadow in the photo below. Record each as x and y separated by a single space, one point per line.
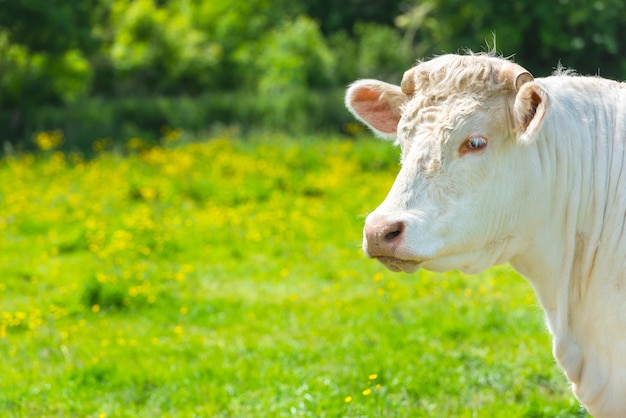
224 278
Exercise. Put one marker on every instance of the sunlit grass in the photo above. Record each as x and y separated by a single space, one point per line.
225 278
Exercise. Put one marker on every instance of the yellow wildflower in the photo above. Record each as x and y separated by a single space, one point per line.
48 140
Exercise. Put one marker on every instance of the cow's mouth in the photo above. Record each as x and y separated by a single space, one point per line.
399 264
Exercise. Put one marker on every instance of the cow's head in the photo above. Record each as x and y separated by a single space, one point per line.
465 189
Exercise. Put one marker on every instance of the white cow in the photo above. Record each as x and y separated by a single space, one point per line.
500 167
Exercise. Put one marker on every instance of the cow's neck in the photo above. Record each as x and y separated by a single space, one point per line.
582 241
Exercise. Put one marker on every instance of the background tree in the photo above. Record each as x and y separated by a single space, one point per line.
579 34
50 26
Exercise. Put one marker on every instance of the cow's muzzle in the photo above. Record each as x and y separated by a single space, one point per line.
384 240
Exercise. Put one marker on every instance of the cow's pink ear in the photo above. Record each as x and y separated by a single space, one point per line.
531 104
377 104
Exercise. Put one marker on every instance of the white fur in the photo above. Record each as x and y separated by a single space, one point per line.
548 196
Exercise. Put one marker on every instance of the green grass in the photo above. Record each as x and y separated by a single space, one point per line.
225 279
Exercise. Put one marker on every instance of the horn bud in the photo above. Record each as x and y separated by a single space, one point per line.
408 81
514 76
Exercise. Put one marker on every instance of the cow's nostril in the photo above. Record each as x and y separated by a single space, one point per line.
382 237
395 232
392 235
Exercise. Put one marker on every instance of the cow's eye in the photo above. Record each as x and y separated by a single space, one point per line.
473 144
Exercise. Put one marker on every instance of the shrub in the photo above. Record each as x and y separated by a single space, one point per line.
380 53
28 78
157 49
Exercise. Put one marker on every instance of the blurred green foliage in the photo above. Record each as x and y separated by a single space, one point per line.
271 64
